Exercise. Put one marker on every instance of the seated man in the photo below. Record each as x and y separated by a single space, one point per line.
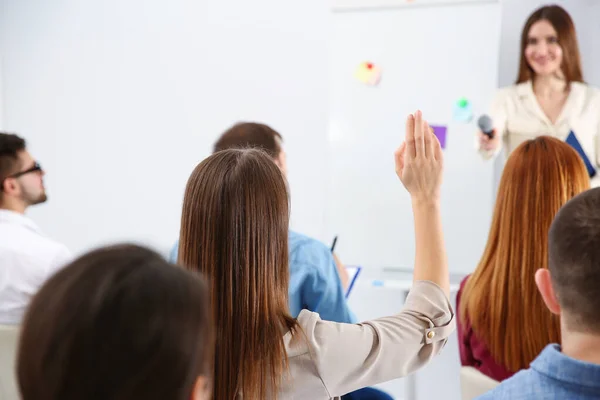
27 256
315 277
570 288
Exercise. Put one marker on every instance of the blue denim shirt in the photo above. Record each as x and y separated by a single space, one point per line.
552 375
314 281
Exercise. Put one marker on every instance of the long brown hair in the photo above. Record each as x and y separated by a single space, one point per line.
234 230
560 19
500 298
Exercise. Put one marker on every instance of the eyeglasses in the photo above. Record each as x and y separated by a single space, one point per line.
36 168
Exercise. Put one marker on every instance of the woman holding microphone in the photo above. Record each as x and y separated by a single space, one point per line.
550 96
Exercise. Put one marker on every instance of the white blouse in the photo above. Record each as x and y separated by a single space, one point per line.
518 117
329 359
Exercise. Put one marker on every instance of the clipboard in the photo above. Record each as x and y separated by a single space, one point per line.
353 273
573 142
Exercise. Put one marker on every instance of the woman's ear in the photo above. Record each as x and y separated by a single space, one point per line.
543 280
201 389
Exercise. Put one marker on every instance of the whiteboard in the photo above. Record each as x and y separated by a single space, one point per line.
430 57
343 5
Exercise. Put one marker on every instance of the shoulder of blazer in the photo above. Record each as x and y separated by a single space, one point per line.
586 95
504 96
523 89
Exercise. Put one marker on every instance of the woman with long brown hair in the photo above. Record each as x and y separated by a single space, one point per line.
503 323
549 96
235 229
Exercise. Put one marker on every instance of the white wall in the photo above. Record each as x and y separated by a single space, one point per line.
369 209
1 92
119 100
1 97
593 72
1 74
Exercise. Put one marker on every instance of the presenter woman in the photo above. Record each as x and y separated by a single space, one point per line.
549 97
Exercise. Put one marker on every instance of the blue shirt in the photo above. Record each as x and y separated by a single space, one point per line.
315 284
552 375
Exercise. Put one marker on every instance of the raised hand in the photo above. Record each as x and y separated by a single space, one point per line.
419 160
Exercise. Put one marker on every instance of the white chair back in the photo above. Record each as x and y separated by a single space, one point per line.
9 337
473 383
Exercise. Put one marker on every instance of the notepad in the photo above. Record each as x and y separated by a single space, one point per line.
573 142
353 273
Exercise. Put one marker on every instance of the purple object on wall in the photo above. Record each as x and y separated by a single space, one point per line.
440 132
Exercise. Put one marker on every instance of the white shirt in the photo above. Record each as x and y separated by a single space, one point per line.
518 117
27 259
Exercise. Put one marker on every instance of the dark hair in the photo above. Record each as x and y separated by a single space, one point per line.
250 134
234 229
574 260
560 19
10 146
117 323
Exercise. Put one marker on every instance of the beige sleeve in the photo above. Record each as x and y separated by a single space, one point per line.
352 356
499 113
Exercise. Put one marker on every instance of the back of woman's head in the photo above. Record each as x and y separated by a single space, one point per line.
500 299
234 229
117 323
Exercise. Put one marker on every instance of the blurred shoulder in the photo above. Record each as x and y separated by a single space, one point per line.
590 92
506 93
299 241
586 96
525 384
308 249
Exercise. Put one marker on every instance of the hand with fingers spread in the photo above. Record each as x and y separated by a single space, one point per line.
419 160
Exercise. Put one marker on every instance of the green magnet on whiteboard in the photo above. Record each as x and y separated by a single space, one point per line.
462 110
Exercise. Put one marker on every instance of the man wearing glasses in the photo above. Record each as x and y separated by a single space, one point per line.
27 257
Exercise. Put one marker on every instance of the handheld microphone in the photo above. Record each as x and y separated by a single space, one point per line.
486 125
